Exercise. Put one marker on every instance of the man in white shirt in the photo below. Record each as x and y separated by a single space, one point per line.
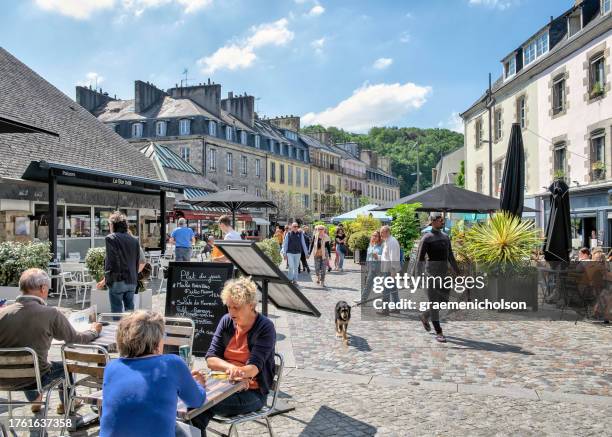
390 265
225 224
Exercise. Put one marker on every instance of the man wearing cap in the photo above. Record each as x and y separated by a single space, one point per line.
435 254
184 238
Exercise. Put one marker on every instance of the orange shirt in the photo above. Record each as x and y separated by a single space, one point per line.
237 353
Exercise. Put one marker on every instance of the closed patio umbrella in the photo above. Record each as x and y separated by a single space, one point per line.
558 244
513 180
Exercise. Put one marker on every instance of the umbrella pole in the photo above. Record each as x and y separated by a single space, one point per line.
234 219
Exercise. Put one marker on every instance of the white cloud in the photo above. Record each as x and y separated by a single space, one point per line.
242 54
83 9
405 37
316 10
499 4
454 123
372 105
79 9
92 79
382 63
318 45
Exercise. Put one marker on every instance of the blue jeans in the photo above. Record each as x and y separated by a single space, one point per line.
182 254
239 403
121 297
340 248
57 371
293 259
391 294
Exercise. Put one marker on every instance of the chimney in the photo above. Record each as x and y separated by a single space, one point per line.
322 137
290 122
242 107
207 96
91 99
145 95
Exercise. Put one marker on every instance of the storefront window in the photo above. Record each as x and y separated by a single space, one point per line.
41 221
77 248
132 219
101 215
79 221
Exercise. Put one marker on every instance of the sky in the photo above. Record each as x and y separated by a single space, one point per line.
347 63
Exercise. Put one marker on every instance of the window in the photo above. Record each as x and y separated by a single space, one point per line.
291 135
306 201
598 141
272 172
479 179
212 128
559 159
478 132
282 173
605 6
520 111
243 137
184 126
78 221
243 165
258 192
212 159
497 121
245 189
558 97
257 142
306 177
290 174
535 48
258 167
160 129
498 168
229 163
228 133
298 176
185 152
597 77
137 130
510 67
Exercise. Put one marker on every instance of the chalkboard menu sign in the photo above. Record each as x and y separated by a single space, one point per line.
194 291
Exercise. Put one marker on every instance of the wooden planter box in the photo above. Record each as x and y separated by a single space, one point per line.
515 288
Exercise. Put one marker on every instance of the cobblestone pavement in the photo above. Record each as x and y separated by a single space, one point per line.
554 356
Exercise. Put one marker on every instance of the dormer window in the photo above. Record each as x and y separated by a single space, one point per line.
257 142
606 6
228 133
212 128
137 130
535 48
291 135
184 126
510 67
243 137
160 129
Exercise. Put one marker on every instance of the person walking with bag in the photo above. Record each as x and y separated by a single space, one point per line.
319 249
340 247
293 245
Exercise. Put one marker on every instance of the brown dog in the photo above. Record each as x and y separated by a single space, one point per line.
343 317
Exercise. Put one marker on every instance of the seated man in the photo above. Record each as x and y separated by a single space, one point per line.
29 322
243 348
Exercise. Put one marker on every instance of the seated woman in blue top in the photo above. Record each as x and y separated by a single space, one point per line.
243 348
141 388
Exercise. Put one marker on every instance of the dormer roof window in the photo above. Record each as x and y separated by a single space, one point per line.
510 67
535 48
291 135
160 129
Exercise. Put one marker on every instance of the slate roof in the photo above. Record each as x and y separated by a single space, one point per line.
84 140
176 169
169 107
314 143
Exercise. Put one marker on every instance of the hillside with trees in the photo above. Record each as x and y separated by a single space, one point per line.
397 143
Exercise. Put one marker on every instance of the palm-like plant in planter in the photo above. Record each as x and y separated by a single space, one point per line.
599 169
559 175
502 247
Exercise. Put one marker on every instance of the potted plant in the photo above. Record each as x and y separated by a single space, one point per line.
599 169
94 260
597 89
15 258
559 175
502 248
358 242
271 248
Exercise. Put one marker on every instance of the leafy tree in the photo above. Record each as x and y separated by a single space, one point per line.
460 181
405 226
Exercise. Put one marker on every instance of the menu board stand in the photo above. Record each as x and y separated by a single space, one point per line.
194 291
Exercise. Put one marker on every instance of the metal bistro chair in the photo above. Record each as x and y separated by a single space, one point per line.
262 413
88 361
17 364
179 331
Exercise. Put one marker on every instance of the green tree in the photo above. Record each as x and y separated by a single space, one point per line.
460 181
405 226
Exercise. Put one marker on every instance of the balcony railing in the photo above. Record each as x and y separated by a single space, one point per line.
353 172
318 162
329 189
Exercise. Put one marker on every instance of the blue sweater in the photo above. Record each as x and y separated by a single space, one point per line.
261 339
140 396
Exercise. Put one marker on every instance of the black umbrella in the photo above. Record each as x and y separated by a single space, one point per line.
513 181
233 200
448 198
558 244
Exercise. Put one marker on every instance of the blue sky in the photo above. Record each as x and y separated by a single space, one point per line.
348 63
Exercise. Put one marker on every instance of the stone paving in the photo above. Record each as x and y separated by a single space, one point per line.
553 356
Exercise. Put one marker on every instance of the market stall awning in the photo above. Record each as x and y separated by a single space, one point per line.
364 210
232 200
261 221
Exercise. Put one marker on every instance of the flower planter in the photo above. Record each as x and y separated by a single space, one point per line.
598 174
514 288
